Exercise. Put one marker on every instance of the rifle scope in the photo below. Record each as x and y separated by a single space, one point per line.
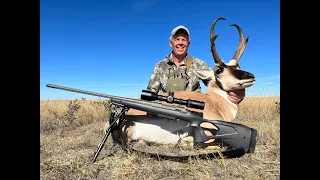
150 96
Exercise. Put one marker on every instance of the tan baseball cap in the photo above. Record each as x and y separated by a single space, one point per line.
174 31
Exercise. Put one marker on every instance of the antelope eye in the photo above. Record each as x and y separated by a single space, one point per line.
220 70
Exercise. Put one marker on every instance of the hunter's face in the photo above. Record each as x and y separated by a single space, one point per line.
180 43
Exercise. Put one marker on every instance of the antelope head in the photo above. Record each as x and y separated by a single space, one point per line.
228 76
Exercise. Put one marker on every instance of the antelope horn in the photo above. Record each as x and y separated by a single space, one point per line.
242 44
213 37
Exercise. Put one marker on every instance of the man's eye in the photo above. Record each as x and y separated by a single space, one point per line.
180 40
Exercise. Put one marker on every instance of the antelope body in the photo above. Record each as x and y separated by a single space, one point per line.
225 77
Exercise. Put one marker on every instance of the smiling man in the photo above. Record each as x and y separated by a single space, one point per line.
177 71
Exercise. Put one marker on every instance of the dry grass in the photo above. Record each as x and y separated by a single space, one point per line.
71 130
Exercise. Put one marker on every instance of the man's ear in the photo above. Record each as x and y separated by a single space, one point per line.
170 43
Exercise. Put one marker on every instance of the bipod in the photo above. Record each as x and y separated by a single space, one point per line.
115 120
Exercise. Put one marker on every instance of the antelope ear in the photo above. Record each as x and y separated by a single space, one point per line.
233 63
205 74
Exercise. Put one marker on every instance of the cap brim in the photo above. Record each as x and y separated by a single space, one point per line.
179 29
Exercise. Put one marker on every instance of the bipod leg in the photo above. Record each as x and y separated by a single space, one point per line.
115 117
101 144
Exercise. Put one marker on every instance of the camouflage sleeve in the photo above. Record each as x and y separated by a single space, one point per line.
154 82
201 65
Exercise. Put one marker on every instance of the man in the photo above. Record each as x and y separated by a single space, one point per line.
175 72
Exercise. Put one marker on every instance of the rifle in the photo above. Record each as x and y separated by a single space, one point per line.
239 138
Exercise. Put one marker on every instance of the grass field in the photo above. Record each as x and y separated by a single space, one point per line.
71 130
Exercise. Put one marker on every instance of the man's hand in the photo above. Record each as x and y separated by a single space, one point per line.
237 95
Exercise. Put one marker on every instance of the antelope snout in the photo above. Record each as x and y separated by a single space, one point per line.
248 76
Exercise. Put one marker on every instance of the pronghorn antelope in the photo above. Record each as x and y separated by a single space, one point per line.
225 77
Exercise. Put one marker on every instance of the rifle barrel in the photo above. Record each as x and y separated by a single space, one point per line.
152 107
83 91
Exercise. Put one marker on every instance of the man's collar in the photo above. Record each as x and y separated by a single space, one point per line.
170 59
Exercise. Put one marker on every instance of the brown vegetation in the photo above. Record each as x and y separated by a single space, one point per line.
71 130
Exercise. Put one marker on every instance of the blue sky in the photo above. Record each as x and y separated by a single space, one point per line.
112 46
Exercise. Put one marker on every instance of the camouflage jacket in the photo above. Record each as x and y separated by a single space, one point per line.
166 69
